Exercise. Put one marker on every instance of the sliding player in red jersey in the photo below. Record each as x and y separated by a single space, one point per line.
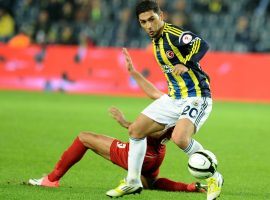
116 151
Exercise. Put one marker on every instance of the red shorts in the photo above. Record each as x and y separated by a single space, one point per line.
152 161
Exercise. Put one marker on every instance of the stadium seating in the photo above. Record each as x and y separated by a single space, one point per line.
100 21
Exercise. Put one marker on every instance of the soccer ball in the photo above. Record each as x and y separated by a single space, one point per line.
202 164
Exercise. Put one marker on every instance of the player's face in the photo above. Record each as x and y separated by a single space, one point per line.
151 22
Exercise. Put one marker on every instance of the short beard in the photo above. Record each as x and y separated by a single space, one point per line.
154 36
158 33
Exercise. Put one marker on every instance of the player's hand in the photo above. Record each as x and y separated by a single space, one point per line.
129 64
179 69
119 117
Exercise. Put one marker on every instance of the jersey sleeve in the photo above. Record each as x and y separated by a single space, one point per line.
191 46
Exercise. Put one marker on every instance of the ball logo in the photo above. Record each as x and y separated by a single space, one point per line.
187 38
169 54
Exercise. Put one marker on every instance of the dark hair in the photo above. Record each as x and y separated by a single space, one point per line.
147 5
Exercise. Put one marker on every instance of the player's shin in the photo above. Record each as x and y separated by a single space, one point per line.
71 156
137 150
169 185
193 147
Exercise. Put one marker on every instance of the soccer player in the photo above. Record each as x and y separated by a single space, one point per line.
187 105
117 151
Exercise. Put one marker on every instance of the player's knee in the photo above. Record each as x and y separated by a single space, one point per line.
84 136
88 139
134 132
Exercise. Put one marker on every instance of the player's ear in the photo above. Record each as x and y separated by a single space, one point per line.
161 16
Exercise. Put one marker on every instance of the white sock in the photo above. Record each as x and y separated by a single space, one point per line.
137 150
193 147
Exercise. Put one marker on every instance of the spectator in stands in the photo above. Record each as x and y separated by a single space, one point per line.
81 15
26 12
67 14
22 39
67 35
122 28
164 6
95 12
243 39
179 6
217 6
7 25
212 6
52 35
41 27
180 16
181 20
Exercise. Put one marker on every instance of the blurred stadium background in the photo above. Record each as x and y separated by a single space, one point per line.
74 46
228 25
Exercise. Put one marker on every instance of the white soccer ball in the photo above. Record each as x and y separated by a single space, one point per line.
202 164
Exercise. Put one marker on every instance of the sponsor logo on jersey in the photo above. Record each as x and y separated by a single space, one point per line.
166 69
195 103
157 47
169 54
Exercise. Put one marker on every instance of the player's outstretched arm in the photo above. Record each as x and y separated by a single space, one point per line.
119 117
149 89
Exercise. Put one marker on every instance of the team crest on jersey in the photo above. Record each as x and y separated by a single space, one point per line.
187 38
169 54
195 103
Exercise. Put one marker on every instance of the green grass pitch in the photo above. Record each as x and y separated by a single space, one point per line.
35 128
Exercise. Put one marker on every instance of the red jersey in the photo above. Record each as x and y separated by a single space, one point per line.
154 156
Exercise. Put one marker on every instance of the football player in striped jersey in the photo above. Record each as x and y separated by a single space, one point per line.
187 104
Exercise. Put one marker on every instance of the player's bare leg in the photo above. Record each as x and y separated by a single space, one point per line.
138 130
86 140
182 137
100 144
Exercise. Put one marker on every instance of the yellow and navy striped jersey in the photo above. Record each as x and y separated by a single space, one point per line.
176 46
